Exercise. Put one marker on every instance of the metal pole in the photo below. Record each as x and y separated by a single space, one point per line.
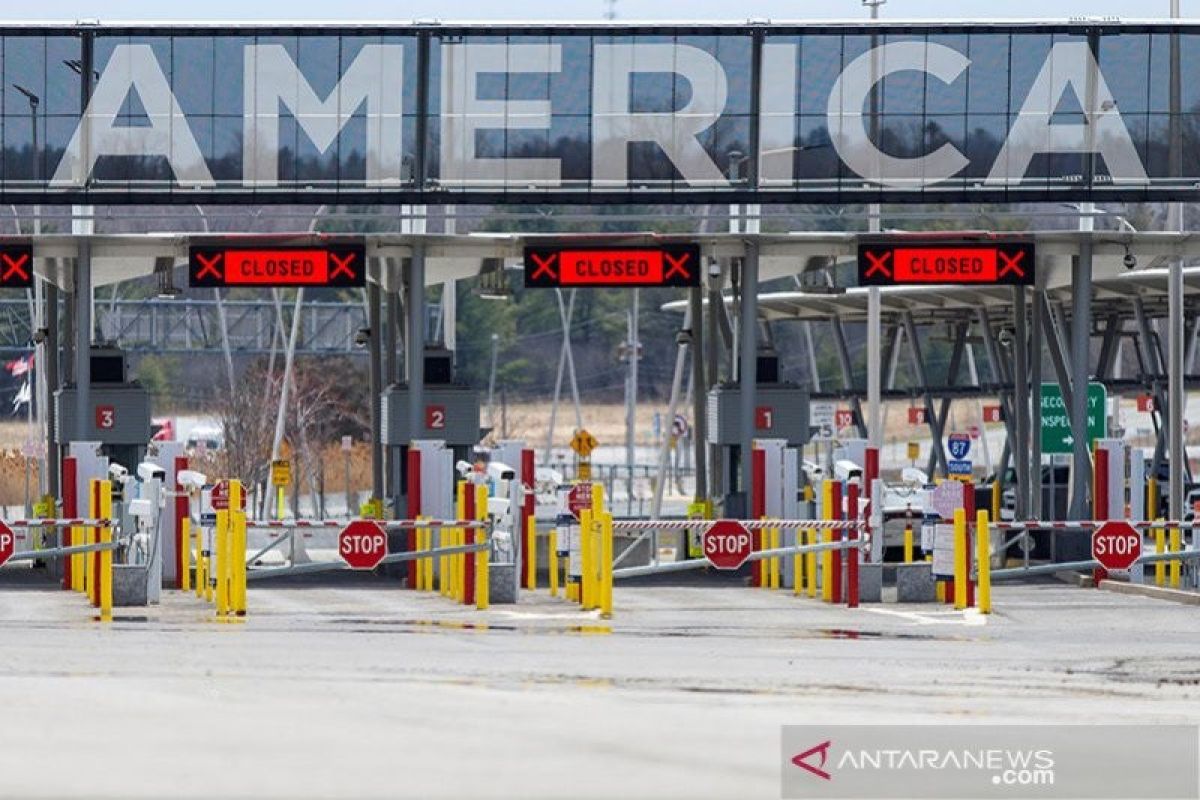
375 384
1177 396
289 360
1081 301
50 376
874 314
631 392
665 448
415 339
83 340
389 375
491 403
1035 400
699 395
1021 399
748 371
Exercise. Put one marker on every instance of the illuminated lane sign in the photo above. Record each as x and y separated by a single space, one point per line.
919 263
335 265
16 266
668 265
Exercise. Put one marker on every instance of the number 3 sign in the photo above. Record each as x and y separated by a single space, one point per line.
106 417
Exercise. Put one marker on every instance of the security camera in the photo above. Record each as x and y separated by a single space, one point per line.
148 471
361 337
463 467
117 473
41 335
141 507
1130 260
1006 337
191 480
498 471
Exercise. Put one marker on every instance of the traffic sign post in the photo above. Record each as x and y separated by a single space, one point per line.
8 543
1116 545
362 544
1056 434
727 544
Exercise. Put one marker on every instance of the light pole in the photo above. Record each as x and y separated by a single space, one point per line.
874 310
492 382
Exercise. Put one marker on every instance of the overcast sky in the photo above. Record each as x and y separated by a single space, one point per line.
687 10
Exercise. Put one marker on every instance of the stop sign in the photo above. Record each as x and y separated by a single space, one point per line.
579 498
1116 545
220 496
8 543
727 544
362 544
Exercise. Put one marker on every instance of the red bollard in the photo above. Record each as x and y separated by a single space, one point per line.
414 509
70 509
469 558
1100 500
969 507
758 508
837 512
529 477
852 555
182 559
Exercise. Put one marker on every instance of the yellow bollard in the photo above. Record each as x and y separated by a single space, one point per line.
983 549
960 559
810 559
483 557
89 570
237 560
1176 564
908 544
798 567
104 592
419 566
606 569
280 502
427 563
75 538
552 562
210 582
198 549
776 564
185 536
531 554
996 499
1160 547
1152 498
221 535
827 555
585 559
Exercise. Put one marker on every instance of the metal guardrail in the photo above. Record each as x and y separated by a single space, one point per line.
392 558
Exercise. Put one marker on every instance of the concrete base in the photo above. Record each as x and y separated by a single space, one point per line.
129 585
1155 592
870 583
914 583
502 584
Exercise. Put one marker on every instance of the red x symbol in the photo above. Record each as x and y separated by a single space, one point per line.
1011 263
15 268
341 265
208 266
878 263
675 266
544 266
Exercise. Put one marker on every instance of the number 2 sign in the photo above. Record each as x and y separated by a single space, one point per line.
435 417
106 418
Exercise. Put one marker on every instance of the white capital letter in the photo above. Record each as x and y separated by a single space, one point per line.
133 67
847 127
464 114
1070 64
614 126
272 77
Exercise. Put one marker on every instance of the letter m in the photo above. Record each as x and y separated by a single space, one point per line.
272 79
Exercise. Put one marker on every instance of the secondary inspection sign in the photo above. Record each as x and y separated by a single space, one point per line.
1056 424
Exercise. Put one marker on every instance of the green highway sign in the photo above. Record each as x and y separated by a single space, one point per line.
1056 424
